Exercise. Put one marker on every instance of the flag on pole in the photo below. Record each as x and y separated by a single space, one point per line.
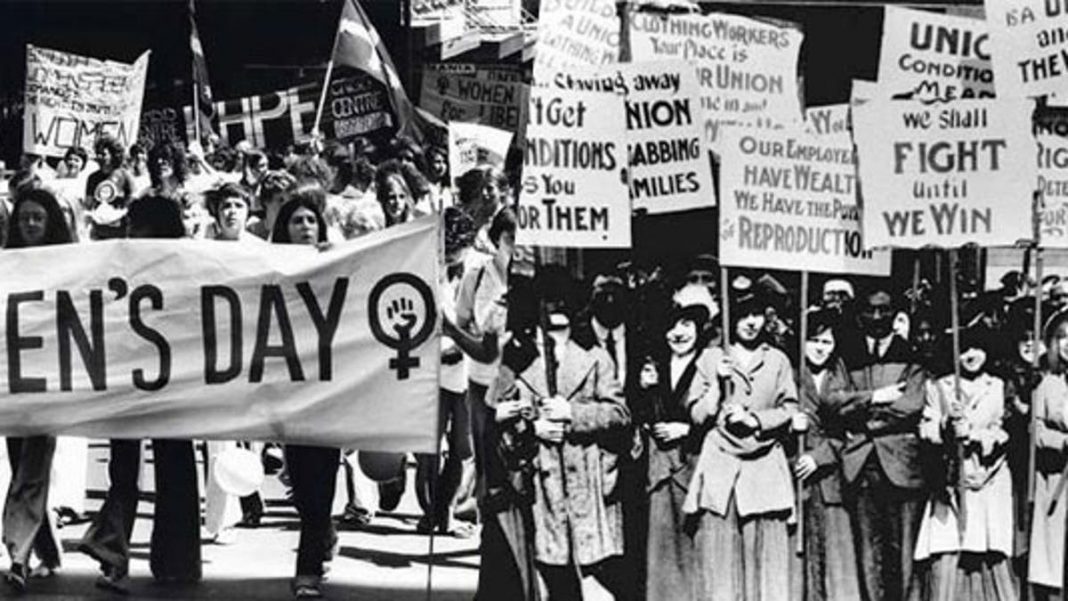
358 46
200 75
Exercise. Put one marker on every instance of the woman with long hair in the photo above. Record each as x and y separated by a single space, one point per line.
37 220
312 469
108 191
830 563
742 492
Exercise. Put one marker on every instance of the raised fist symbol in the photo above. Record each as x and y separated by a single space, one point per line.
402 313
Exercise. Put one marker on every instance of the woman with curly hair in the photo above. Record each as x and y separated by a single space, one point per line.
37 220
399 187
108 191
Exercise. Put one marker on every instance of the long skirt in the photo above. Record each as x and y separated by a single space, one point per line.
966 577
670 571
743 558
27 525
830 559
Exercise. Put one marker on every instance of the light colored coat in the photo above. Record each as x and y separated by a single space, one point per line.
588 519
987 493
1046 562
751 468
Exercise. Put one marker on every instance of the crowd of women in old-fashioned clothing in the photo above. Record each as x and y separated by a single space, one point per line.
658 444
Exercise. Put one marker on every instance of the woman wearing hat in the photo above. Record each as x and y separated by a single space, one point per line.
967 528
1050 402
689 378
830 562
742 492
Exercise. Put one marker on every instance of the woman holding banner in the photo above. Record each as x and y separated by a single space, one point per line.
1050 517
742 492
673 442
967 534
174 557
312 469
37 220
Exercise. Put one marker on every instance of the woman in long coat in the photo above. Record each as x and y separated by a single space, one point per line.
967 529
742 490
689 378
830 561
1050 403
578 518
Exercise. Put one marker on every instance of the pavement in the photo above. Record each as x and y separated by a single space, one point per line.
386 560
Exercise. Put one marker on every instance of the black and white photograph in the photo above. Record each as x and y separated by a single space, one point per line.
534 300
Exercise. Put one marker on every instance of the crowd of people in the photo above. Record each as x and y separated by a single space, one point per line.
639 434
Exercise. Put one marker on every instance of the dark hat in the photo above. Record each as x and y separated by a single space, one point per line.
977 336
819 320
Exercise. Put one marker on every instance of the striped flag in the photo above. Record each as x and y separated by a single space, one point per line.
200 75
359 47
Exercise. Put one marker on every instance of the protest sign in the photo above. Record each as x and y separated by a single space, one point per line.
1030 46
946 175
478 96
570 34
790 201
833 119
670 169
1053 186
573 193
71 100
746 68
356 105
471 145
226 340
934 57
161 126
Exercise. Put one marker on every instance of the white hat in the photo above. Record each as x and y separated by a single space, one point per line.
696 295
839 285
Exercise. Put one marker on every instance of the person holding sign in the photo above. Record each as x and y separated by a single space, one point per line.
968 540
742 493
663 409
175 542
312 469
1050 404
830 562
37 220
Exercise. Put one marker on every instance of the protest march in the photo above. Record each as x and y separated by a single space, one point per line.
579 299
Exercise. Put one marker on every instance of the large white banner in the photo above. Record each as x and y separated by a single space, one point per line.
790 202
573 192
946 175
934 57
223 340
71 100
1030 46
747 68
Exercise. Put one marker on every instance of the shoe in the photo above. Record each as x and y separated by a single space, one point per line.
425 525
250 520
226 536
114 581
16 578
306 587
355 515
43 572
